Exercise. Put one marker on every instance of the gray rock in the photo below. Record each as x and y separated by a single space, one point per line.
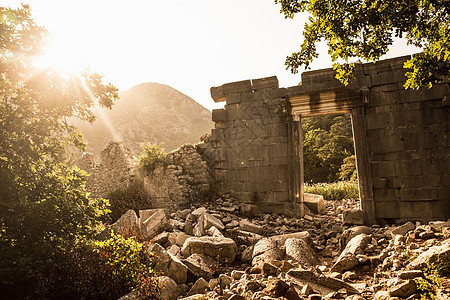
350 233
298 250
222 249
213 231
199 287
430 256
314 202
403 229
320 283
178 238
153 221
265 251
248 210
353 217
209 221
169 290
246 225
410 274
127 221
201 265
347 260
403 290
168 264
199 211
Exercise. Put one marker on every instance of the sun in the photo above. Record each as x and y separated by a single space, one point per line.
62 56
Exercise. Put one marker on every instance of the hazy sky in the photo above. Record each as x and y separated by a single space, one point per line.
188 45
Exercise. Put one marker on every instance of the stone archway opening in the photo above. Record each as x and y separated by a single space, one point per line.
328 160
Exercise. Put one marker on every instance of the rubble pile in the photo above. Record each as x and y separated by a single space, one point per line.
229 251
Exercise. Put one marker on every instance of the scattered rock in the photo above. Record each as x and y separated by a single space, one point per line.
299 251
169 290
314 202
403 290
199 287
353 217
201 265
222 249
431 255
153 221
403 229
347 260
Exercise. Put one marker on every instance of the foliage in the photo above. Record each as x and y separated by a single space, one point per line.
327 145
365 29
341 190
152 156
101 270
44 207
347 170
428 286
131 197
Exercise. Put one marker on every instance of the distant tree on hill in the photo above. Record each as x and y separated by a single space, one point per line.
364 29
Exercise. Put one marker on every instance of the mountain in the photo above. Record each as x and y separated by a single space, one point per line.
148 112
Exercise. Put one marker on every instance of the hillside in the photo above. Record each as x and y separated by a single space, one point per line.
149 112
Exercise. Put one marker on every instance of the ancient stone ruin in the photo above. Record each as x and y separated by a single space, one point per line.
401 141
262 237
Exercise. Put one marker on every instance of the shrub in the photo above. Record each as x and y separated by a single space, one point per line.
334 191
122 199
101 270
153 156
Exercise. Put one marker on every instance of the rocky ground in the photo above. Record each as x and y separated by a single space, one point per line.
225 251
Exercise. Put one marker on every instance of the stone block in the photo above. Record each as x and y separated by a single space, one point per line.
353 217
315 203
233 98
248 226
219 115
223 249
153 221
244 86
265 83
217 94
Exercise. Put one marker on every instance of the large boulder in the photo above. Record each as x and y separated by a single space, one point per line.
153 221
127 221
169 289
347 260
321 283
201 265
314 202
220 248
298 250
168 264
265 251
350 233
435 253
269 249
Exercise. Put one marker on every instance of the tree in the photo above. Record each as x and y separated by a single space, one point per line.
364 29
327 146
44 207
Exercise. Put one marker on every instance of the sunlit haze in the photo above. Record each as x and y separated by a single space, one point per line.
188 45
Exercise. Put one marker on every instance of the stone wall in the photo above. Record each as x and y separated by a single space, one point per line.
186 180
402 141
115 170
251 147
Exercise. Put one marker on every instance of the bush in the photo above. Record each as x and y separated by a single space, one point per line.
101 270
153 156
131 197
334 191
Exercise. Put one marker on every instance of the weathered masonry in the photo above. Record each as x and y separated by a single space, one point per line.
402 140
